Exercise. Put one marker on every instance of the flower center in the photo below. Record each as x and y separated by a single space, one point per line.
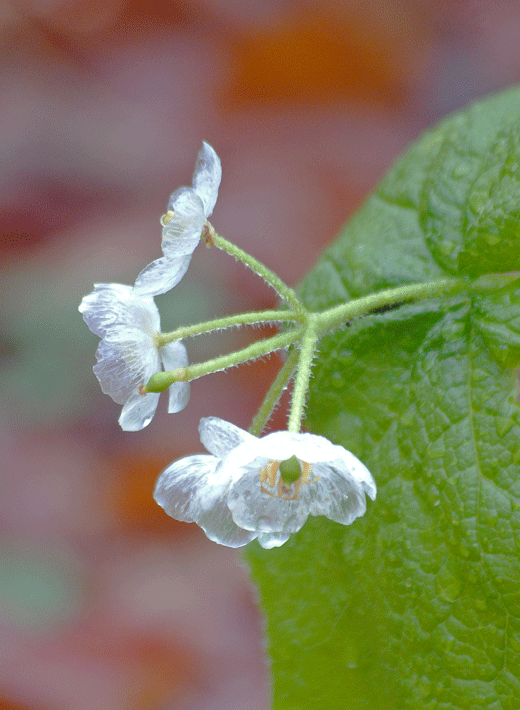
284 479
290 470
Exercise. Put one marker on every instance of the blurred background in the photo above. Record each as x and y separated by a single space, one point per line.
105 602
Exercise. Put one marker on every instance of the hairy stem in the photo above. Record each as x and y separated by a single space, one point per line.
162 380
266 274
275 392
301 383
253 318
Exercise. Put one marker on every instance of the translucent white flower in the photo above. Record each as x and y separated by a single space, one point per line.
188 209
128 356
265 488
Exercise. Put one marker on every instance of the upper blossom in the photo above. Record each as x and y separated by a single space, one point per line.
128 355
263 488
188 210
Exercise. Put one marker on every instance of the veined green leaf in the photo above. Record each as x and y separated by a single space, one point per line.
416 605
499 322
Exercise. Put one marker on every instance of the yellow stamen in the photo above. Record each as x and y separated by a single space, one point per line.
271 478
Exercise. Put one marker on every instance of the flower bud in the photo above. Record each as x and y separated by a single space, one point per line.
159 382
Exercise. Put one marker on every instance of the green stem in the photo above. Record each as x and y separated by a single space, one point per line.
331 318
268 276
275 392
162 380
257 317
301 383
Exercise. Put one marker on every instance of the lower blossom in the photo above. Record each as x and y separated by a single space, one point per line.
128 354
264 488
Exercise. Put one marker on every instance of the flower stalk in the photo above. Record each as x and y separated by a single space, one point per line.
272 397
313 326
301 383
162 380
261 270
253 318
338 315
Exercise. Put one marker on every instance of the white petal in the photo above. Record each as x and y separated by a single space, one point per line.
281 445
182 233
314 449
220 437
207 176
336 495
174 355
138 411
161 275
253 509
112 305
338 492
193 490
179 396
184 489
270 540
126 360
351 466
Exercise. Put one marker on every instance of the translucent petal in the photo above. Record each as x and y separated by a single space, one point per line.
180 236
193 490
187 488
161 275
335 486
253 509
220 437
335 494
179 396
281 445
270 540
182 233
207 176
112 305
174 355
138 411
126 360
311 448
351 466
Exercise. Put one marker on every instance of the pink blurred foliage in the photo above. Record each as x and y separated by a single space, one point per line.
104 106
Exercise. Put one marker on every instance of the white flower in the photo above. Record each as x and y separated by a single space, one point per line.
238 493
128 354
188 209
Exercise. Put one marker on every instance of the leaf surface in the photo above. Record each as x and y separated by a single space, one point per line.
416 605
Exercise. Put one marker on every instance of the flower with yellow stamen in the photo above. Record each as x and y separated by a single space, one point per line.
263 488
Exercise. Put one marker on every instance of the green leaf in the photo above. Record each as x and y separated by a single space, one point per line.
499 323
417 604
